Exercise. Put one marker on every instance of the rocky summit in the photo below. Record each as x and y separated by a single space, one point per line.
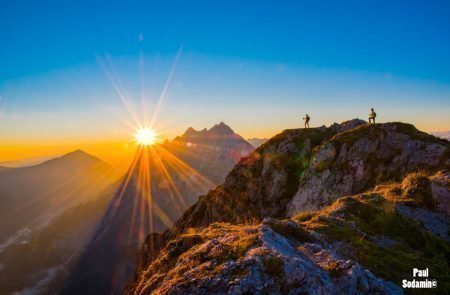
347 209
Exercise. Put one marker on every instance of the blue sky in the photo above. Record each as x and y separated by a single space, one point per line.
241 62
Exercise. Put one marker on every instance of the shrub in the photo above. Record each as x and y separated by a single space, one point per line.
417 186
304 216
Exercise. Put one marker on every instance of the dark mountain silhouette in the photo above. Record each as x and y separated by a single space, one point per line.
162 183
348 209
32 195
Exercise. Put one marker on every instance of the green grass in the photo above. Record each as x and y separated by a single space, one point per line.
414 248
286 229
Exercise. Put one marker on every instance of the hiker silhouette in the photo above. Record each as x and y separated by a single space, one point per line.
306 118
372 116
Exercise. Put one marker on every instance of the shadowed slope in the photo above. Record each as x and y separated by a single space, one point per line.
32 195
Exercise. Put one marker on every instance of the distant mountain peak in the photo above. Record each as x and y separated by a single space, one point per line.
190 131
221 128
78 152
217 129
76 155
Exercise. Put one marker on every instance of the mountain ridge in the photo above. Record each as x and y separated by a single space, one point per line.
21 185
180 170
298 170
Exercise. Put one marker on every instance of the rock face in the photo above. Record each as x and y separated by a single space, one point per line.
357 159
364 204
440 186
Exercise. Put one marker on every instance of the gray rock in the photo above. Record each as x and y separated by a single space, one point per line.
324 157
355 160
277 267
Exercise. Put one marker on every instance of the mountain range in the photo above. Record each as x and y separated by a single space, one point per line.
30 196
347 209
350 208
178 172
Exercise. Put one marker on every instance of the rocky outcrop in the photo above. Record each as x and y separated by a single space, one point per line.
364 205
306 169
227 259
363 244
360 158
440 187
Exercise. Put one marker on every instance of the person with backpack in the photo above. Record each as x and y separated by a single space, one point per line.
372 116
306 118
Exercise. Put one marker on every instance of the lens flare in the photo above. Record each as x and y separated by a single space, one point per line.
145 136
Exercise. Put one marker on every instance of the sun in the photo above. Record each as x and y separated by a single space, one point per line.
145 136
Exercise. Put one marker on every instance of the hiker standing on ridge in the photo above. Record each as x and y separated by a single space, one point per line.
372 116
306 118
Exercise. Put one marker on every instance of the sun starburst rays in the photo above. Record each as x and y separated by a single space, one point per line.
157 177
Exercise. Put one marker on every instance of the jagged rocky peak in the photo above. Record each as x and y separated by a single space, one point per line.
221 128
345 189
219 136
190 131
217 129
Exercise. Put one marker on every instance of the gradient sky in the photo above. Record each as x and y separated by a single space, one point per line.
259 66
